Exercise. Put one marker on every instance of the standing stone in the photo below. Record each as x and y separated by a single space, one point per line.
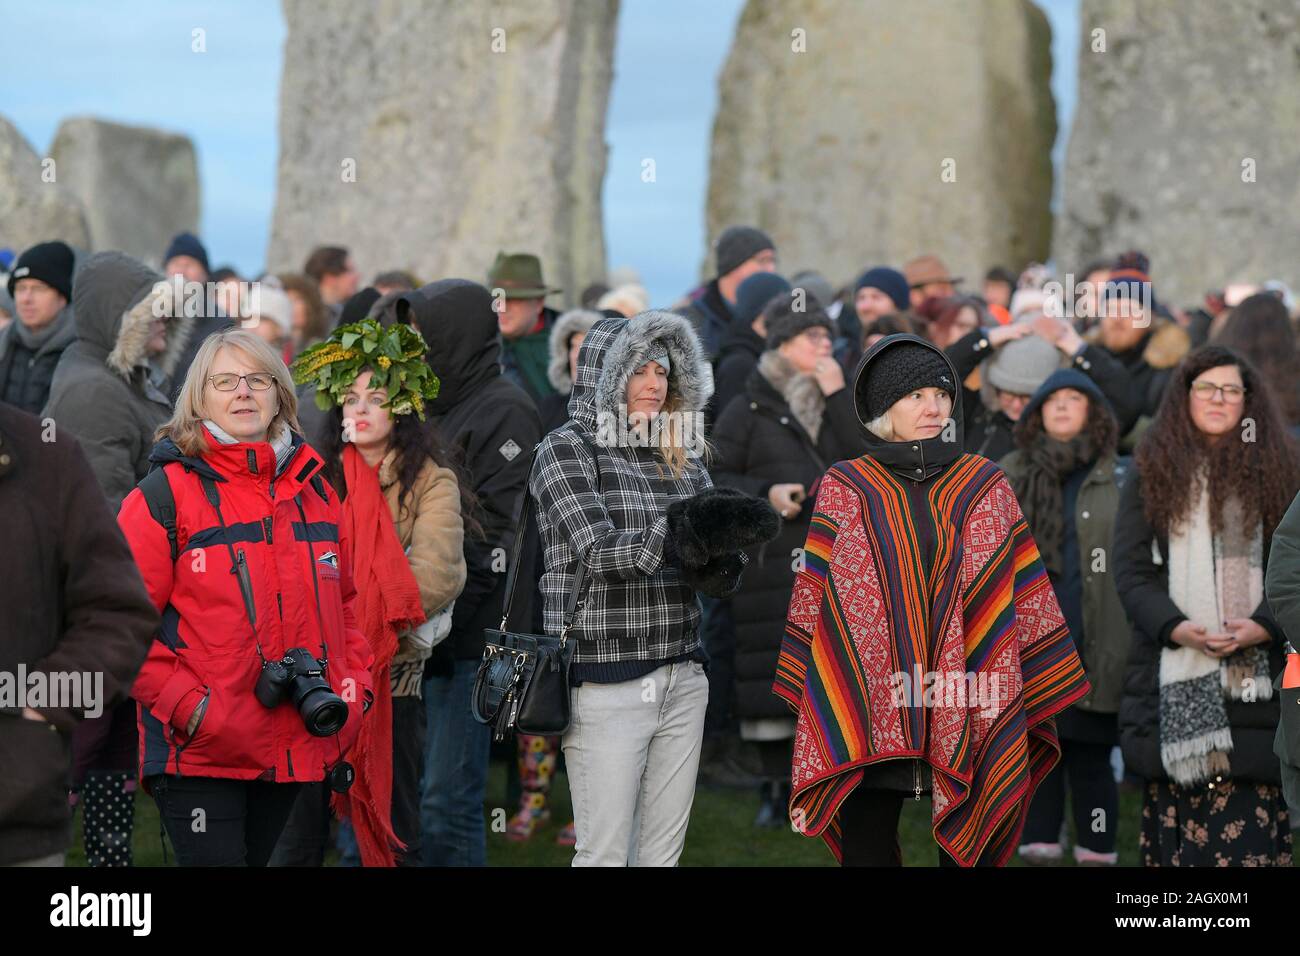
138 186
863 132
429 136
1186 142
31 208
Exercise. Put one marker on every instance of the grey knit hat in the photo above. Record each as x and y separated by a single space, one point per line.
738 243
1022 366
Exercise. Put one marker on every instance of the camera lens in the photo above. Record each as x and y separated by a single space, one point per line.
323 712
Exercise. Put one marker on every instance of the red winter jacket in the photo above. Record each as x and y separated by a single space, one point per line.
205 646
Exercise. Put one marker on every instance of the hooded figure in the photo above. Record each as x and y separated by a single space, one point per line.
642 520
108 387
494 425
554 408
923 639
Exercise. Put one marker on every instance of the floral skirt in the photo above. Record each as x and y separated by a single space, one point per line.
1234 824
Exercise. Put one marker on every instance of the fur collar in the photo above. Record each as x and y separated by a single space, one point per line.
565 327
133 335
690 378
1165 347
800 391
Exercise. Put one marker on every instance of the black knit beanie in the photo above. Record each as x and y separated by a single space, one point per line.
738 243
900 370
784 323
51 262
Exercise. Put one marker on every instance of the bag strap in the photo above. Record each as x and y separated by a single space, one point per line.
516 555
158 495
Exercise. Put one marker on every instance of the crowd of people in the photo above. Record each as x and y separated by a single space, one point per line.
1006 546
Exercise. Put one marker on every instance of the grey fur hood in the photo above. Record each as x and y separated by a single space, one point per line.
565 327
615 348
113 297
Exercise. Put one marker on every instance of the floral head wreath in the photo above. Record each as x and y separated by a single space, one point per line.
395 356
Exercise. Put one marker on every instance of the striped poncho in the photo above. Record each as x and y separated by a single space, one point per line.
964 666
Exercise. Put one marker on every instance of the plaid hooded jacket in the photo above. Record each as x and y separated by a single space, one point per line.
635 607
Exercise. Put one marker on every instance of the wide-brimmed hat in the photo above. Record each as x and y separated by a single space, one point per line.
519 275
926 269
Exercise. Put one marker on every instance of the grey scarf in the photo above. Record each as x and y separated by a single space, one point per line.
281 443
36 340
801 392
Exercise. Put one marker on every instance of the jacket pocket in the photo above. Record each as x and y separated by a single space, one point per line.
37 761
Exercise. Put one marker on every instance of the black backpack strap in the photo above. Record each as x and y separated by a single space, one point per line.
158 496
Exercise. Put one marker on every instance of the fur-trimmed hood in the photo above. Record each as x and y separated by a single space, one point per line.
114 299
1164 347
566 326
616 348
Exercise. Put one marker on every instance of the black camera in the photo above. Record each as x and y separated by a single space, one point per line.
300 677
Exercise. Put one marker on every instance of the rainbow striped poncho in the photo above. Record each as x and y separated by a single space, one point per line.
964 666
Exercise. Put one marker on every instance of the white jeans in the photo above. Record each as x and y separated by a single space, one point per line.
633 751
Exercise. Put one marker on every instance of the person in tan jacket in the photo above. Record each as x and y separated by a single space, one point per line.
373 439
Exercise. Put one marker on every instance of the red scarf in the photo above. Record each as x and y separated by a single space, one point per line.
388 600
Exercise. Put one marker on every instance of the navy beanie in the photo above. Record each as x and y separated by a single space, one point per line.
755 292
889 281
51 262
1066 378
187 244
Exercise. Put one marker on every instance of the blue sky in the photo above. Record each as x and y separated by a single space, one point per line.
132 62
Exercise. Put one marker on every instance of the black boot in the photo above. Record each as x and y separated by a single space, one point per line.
770 813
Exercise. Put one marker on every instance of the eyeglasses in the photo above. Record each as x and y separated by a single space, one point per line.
816 336
229 381
1232 394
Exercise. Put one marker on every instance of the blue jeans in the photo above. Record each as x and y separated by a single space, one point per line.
452 831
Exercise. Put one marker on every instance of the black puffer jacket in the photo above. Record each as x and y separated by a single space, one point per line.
493 426
25 374
1143 587
759 442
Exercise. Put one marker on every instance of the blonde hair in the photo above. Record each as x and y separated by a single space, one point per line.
185 427
882 426
672 447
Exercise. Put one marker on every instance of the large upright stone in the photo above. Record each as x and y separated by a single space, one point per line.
31 208
139 186
428 136
1186 142
861 132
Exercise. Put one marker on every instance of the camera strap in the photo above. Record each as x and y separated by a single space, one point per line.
238 562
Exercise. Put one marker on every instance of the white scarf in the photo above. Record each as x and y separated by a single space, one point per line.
1211 578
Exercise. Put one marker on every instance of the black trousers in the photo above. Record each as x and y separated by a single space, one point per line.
408 756
869 829
213 821
1094 799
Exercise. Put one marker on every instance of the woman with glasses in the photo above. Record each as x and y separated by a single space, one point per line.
258 677
793 420
1214 475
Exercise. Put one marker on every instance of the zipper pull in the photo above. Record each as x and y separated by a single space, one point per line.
916 777
266 526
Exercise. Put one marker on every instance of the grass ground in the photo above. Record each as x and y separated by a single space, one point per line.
721 833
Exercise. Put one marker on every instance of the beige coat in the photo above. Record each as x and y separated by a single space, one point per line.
430 529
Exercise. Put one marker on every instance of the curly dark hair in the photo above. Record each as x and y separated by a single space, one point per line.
415 441
1260 329
1102 430
1262 474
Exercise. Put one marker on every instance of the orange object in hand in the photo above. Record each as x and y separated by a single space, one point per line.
1291 676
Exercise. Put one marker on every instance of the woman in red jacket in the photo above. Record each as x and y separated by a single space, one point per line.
258 677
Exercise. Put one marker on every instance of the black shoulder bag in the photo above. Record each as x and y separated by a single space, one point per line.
523 680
